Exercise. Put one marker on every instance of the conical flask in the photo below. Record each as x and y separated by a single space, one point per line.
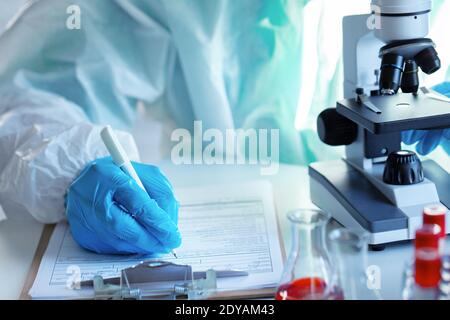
308 272
356 280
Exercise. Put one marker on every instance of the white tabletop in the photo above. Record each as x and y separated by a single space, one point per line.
19 238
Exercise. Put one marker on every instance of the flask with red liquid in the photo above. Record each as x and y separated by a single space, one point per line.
308 273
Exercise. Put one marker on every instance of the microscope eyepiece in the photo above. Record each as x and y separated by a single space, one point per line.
392 66
428 60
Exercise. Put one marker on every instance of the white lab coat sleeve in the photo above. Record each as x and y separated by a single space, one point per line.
45 141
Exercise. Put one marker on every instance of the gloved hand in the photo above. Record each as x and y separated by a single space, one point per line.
428 140
109 213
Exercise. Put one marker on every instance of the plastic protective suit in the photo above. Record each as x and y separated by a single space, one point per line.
57 82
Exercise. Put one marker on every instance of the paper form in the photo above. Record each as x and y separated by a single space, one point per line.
223 227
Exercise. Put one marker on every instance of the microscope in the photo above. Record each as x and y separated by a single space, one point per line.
378 187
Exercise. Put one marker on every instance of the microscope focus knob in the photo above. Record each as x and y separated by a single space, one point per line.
402 168
335 129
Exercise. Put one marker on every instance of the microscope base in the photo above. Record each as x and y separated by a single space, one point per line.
344 192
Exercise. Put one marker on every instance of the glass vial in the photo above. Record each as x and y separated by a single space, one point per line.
349 253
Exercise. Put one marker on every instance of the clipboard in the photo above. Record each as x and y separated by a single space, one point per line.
235 295
39 253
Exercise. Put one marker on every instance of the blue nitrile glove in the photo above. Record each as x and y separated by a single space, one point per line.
109 213
428 140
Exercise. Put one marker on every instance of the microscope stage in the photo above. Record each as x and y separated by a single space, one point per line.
397 112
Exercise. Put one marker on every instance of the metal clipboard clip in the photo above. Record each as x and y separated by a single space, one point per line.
144 280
